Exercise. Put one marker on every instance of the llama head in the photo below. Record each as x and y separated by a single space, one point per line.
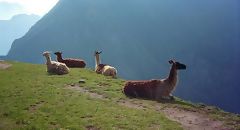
97 53
46 53
58 53
178 65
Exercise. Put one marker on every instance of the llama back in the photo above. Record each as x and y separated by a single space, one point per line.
74 63
60 68
110 71
142 89
63 69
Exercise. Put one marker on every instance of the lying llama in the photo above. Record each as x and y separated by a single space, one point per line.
78 63
155 89
55 67
104 69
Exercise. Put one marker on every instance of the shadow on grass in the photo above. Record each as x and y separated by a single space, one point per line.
173 101
177 102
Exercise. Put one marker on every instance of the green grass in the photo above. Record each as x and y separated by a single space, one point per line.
30 98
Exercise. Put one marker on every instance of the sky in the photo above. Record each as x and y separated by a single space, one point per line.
9 8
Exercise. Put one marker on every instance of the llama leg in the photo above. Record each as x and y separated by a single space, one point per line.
167 97
135 93
159 97
171 96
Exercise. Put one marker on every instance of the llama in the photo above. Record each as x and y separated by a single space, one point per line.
55 67
104 69
72 63
155 89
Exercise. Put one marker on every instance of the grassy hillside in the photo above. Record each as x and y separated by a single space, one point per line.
132 33
30 98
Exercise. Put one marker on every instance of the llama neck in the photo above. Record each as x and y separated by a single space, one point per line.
59 58
172 78
97 60
48 58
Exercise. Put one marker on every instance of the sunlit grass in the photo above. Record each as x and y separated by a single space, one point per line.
30 98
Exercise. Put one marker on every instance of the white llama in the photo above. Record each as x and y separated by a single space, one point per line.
104 69
55 67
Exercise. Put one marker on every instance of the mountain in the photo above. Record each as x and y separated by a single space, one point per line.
138 37
14 28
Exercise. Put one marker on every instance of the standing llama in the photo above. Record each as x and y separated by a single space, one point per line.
55 67
78 63
155 89
104 69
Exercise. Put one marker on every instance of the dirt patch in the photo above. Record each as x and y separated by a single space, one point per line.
131 104
4 65
32 108
191 120
102 84
154 127
87 116
86 91
54 125
91 127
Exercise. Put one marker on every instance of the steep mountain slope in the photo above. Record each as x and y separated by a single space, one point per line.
138 37
14 28
33 99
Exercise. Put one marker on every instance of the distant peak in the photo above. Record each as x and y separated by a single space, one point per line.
25 16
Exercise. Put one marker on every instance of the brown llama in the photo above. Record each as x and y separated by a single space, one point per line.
70 62
155 89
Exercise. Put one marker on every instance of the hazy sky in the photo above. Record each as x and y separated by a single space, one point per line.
9 8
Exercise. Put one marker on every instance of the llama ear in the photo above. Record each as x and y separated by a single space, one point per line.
98 52
170 61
